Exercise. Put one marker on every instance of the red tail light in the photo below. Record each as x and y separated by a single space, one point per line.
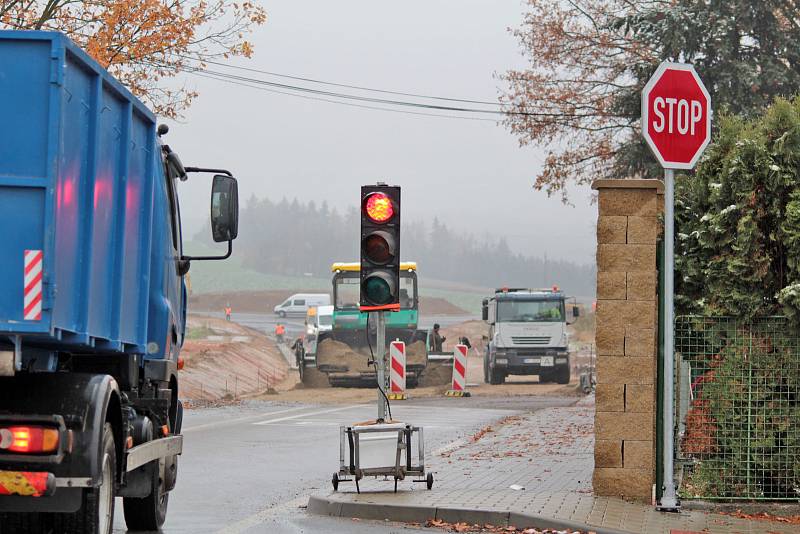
28 439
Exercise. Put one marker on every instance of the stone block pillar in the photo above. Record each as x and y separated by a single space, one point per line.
627 230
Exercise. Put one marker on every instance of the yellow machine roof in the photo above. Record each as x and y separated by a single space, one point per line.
356 267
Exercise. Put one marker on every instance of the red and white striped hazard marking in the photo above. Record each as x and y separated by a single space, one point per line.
460 368
397 369
32 299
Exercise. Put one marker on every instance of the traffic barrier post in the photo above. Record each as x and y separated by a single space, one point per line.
397 371
459 385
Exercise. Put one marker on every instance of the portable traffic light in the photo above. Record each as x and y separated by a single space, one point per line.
380 247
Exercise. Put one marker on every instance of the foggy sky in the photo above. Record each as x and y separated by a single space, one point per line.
471 174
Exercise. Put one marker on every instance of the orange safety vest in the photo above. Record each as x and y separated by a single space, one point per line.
227 311
280 330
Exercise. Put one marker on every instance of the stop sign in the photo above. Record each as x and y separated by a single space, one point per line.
676 115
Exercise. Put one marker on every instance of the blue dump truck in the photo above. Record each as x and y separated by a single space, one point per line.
92 293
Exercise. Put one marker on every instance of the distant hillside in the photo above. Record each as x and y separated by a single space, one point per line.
292 238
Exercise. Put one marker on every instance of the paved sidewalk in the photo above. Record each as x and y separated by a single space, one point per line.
549 454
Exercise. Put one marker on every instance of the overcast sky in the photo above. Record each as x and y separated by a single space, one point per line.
471 174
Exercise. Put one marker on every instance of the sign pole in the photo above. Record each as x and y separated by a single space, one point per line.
676 123
669 500
380 363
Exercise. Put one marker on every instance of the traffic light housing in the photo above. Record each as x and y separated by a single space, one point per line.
380 248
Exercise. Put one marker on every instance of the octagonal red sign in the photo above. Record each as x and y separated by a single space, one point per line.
676 115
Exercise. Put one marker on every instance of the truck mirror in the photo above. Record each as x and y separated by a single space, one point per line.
485 310
224 208
576 311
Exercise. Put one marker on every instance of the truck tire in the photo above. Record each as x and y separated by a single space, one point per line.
148 513
562 375
486 369
496 378
96 514
545 376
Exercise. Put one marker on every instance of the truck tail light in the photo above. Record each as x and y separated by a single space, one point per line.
28 439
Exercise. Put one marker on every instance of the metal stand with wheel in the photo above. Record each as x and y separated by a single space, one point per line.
383 447
393 450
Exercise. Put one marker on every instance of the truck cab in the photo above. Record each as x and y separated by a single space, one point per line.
527 335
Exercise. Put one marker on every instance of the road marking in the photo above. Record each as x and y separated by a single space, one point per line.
310 414
259 518
225 422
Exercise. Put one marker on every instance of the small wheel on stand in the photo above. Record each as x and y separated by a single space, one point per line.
429 480
335 481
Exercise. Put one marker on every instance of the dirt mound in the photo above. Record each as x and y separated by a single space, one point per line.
335 353
437 374
224 359
416 353
472 330
313 379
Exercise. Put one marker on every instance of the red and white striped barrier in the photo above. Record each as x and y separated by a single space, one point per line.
32 295
397 370
459 387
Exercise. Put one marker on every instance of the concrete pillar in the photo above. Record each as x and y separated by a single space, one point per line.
627 230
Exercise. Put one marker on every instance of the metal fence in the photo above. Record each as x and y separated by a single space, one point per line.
738 408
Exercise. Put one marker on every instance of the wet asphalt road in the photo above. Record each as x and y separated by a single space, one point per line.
250 468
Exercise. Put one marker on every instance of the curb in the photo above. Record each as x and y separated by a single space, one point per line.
320 505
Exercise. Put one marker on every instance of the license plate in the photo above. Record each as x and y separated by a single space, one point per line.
547 361
531 360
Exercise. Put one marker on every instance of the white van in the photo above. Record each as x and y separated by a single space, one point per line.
299 303
319 319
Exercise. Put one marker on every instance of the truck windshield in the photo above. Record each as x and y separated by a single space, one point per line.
348 291
522 311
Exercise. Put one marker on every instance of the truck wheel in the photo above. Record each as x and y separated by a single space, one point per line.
562 375
96 514
496 378
148 513
485 370
545 376
282 314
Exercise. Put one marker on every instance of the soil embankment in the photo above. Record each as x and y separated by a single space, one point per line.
265 301
226 360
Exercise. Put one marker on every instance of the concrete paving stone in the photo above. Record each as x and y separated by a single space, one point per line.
557 483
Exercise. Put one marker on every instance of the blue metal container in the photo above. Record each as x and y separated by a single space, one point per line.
82 181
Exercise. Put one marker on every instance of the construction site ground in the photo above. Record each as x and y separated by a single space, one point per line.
225 361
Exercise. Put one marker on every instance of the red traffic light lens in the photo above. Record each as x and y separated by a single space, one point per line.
379 207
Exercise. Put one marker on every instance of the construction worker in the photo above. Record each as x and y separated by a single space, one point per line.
280 331
228 312
436 339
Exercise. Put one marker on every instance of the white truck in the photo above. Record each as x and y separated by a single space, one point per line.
527 335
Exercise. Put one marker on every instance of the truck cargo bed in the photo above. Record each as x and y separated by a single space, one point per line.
79 162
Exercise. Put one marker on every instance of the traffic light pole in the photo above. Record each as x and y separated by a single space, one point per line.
380 362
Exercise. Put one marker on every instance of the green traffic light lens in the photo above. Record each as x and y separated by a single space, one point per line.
377 290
